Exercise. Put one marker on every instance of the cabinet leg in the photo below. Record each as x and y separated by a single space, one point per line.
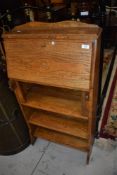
88 157
33 139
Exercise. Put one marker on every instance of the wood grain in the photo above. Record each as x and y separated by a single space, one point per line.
54 101
61 138
60 123
56 67
65 29
46 61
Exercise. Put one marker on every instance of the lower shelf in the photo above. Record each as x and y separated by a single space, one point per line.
61 138
60 124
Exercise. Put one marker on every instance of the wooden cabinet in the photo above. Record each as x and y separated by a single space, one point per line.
54 71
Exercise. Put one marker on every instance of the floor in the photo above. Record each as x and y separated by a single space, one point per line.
47 158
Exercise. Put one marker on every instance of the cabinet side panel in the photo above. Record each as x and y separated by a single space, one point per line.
94 91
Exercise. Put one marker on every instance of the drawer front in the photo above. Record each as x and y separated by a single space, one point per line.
54 62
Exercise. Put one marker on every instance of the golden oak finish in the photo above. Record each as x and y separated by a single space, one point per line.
55 68
60 123
54 59
54 100
61 138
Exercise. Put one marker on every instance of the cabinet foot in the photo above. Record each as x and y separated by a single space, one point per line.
33 140
88 157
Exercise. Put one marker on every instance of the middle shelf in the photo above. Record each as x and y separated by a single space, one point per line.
62 101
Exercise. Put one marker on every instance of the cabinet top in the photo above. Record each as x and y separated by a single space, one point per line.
65 30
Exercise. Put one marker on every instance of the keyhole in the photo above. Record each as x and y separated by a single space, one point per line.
53 43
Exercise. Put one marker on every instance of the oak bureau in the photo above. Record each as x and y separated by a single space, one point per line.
54 70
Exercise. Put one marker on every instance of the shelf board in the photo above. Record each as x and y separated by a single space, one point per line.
60 123
51 100
61 138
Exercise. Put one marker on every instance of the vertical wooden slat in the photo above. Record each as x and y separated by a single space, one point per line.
20 92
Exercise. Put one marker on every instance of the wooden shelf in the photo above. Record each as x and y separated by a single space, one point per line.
61 138
60 123
52 100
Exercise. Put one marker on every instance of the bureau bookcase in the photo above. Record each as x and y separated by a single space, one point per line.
53 69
